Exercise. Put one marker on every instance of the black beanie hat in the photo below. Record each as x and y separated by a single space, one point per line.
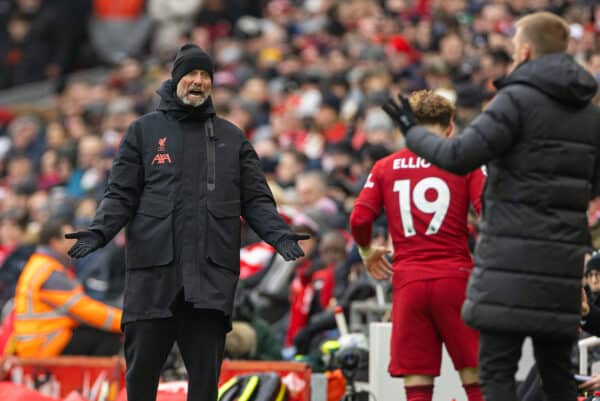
594 262
190 57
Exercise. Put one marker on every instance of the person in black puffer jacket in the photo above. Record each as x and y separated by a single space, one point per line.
540 138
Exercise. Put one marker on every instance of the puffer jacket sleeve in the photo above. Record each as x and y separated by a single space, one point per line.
596 179
67 295
125 185
258 205
487 137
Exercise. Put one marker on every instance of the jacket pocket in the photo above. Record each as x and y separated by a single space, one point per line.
223 234
150 233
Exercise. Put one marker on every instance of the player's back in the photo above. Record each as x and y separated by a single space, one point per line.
427 210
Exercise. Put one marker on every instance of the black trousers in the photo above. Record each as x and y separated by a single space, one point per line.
91 341
499 355
200 335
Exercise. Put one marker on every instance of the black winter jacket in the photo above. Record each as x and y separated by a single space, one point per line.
540 138
181 189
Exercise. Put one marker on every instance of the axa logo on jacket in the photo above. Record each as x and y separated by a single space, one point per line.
162 156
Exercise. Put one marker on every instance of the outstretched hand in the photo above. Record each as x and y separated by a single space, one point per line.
288 247
402 113
377 264
87 242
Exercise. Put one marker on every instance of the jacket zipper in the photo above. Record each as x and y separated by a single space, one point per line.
210 153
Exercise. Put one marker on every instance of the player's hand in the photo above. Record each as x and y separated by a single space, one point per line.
585 306
402 113
288 247
592 384
377 264
87 242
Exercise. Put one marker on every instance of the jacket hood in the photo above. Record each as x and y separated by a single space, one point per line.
557 75
170 104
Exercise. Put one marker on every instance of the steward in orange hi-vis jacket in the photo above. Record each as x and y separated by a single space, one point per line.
50 306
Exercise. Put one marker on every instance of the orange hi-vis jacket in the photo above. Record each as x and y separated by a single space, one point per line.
49 304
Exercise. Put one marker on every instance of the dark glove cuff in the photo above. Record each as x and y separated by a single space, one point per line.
99 235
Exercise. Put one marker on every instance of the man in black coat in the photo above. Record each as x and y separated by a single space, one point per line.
540 138
180 182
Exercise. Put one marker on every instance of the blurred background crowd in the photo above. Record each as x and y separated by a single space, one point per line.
304 79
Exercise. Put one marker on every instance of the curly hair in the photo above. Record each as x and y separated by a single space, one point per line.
430 108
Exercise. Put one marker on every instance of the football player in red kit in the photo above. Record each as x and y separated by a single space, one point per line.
427 211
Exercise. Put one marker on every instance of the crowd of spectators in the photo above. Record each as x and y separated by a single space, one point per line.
304 79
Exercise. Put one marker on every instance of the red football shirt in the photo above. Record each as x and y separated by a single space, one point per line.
426 209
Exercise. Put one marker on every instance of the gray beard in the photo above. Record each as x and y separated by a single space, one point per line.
186 100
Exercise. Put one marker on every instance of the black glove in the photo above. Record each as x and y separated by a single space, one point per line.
288 247
87 242
403 116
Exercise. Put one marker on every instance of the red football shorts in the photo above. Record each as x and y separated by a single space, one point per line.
426 314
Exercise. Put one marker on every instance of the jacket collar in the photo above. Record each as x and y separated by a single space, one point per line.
558 75
173 106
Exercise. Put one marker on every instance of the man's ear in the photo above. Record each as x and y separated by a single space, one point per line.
527 52
450 130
